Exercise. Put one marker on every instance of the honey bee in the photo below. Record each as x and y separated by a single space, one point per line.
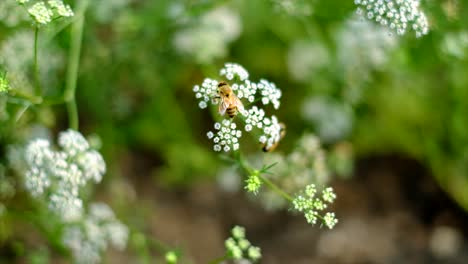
273 147
229 102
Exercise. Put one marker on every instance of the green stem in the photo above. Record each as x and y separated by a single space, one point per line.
275 188
73 64
37 82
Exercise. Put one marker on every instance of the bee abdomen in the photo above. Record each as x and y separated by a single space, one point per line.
231 111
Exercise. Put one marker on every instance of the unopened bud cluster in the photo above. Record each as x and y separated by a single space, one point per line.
238 247
311 205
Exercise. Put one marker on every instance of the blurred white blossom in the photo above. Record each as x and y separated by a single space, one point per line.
107 10
362 47
87 241
455 44
58 175
210 36
305 59
11 14
400 16
333 120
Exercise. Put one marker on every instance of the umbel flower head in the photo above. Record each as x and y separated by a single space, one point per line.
94 234
227 135
400 16
44 12
58 174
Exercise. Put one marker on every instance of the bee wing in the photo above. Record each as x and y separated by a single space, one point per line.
238 103
223 105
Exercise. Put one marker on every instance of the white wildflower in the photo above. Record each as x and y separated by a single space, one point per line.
232 70
206 92
92 164
254 118
36 181
270 93
117 234
72 142
272 131
41 13
398 15
210 36
227 136
39 153
66 204
60 8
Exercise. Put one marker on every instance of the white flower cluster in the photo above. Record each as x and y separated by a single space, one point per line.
43 12
269 92
311 205
231 70
206 92
59 174
227 136
332 119
272 132
398 15
243 88
207 38
88 239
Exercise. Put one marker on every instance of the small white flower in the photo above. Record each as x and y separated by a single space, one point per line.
330 220
398 15
39 153
40 13
271 132
117 234
72 142
232 70
101 212
92 164
36 181
270 93
66 205
61 9
227 135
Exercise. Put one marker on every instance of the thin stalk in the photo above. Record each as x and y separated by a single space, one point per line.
37 81
73 64
275 188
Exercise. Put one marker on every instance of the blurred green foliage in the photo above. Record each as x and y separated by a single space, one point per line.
135 85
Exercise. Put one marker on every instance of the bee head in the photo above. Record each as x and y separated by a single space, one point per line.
223 88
